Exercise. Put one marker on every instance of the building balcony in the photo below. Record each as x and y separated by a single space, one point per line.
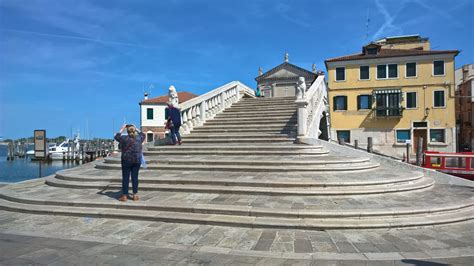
388 111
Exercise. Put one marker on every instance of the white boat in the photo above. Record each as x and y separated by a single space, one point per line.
59 152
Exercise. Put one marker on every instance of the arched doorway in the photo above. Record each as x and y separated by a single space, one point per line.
149 136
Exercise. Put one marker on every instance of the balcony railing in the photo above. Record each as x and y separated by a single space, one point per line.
383 111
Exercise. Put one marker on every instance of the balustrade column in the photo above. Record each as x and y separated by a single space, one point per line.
222 99
195 113
302 116
190 119
203 111
185 120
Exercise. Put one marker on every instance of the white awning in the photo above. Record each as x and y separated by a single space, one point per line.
387 91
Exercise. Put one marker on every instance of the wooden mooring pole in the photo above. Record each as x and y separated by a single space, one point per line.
419 151
369 145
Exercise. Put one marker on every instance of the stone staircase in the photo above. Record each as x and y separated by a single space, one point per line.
243 169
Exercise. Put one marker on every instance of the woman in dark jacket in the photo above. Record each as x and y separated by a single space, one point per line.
131 146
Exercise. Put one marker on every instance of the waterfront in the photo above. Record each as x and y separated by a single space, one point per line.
22 169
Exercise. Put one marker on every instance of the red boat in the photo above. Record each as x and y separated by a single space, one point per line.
459 164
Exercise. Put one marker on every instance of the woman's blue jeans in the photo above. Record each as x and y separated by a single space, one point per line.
127 170
174 134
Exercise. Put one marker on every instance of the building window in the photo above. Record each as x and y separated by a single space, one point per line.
364 102
372 51
393 71
403 135
410 70
420 124
388 103
149 137
340 73
364 72
344 135
149 113
437 135
340 103
411 100
438 68
439 100
383 70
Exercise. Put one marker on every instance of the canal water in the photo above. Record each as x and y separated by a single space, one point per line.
22 169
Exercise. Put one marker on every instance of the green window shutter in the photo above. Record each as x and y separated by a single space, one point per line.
149 113
334 100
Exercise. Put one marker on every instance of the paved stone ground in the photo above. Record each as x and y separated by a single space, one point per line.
43 239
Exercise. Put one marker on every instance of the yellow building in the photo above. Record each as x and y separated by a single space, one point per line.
396 91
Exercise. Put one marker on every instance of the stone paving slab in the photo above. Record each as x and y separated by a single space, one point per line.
58 240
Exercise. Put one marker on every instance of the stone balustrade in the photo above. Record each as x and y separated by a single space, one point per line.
311 108
197 110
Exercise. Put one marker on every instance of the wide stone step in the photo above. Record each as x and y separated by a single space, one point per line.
237 152
256 105
256 115
254 135
286 191
253 147
260 112
241 216
239 126
239 140
265 130
267 100
291 121
254 167
224 180
258 109
254 118
266 161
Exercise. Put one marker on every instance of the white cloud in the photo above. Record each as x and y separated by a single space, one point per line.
388 27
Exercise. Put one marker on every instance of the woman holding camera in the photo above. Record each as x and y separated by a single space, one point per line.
131 146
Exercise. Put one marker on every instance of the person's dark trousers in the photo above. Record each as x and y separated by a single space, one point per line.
127 169
175 134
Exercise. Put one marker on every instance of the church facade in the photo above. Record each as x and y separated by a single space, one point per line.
282 80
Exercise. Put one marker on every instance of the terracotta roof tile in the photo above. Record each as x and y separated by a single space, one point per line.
182 96
384 53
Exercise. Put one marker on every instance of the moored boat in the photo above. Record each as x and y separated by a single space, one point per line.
458 164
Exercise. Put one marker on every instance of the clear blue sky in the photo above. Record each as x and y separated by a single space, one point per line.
73 64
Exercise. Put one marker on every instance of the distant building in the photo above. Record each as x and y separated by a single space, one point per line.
465 107
152 114
281 81
397 90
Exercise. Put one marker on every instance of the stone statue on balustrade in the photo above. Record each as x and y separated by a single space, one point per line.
301 88
173 97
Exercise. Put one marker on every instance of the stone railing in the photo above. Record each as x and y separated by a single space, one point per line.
310 109
197 110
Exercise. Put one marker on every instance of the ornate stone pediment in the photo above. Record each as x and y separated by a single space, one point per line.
286 71
283 73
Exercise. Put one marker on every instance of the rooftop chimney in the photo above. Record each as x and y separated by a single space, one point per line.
146 95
